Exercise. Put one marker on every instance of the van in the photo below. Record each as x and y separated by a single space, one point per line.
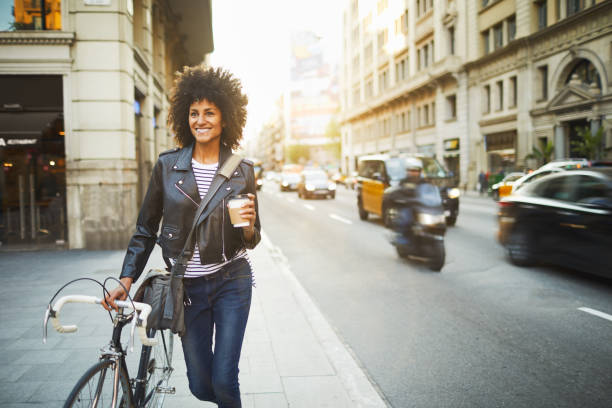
376 173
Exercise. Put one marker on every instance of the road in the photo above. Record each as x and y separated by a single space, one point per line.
482 333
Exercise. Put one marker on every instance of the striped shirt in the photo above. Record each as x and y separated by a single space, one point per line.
204 174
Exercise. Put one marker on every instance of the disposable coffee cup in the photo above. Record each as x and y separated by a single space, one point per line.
234 206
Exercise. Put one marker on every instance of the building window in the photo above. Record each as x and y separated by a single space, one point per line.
486 43
401 70
29 15
356 65
369 89
542 14
369 54
513 92
500 95
451 40
575 6
407 125
451 107
383 80
486 108
433 113
586 73
405 22
356 36
511 28
498 36
543 73
382 5
426 115
383 38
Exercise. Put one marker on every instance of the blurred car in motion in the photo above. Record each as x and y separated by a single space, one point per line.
379 172
350 181
289 181
504 187
314 183
258 169
564 219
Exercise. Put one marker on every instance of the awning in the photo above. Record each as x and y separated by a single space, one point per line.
26 125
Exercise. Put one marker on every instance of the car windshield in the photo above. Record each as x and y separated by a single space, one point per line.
396 167
315 176
513 177
291 177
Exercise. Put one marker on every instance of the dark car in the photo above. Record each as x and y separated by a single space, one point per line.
564 218
315 183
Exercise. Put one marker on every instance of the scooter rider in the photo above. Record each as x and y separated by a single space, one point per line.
403 225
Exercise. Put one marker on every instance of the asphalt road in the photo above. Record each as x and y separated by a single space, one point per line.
481 333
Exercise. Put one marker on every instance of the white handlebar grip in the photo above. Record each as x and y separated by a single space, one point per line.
58 307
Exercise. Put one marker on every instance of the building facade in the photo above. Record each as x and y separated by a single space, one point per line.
83 114
478 84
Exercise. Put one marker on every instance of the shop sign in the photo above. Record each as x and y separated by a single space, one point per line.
12 142
97 2
451 144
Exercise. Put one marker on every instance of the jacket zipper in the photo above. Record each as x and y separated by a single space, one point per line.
223 232
187 195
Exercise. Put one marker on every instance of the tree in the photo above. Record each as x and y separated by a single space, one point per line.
589 145
542 156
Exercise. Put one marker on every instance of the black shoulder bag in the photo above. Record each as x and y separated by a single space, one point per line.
164 290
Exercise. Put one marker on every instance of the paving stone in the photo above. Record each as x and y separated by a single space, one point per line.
17 391
272 400
13 372
43 357
320 392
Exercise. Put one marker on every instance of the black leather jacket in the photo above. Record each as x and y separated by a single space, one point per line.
173 196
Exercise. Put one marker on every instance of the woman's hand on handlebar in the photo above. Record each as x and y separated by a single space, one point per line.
117 294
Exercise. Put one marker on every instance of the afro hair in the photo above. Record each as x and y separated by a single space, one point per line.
215 85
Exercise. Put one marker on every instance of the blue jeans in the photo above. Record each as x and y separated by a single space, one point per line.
221 302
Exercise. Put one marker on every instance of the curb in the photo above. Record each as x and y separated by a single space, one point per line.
361 390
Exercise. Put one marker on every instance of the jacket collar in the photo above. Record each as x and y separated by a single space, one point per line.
183 162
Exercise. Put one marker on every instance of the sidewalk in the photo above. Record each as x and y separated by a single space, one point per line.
291 355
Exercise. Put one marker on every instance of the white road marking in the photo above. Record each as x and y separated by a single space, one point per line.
341 219
596 313
309 207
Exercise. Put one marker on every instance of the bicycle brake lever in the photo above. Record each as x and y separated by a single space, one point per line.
48 313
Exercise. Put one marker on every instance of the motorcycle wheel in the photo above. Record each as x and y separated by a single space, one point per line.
436 262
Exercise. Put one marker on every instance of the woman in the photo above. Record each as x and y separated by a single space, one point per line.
207 115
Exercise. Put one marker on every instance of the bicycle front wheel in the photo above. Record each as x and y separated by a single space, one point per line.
158 370
96 387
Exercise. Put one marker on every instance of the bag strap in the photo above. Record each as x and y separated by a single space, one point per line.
223 174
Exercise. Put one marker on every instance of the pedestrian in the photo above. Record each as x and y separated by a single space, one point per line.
207 115
482 181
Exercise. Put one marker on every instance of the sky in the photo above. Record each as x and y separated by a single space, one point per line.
252 40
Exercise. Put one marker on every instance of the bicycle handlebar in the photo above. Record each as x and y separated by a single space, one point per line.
138 322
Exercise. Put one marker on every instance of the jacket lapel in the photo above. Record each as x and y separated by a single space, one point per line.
186 182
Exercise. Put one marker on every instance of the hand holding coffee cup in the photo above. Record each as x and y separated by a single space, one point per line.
242 210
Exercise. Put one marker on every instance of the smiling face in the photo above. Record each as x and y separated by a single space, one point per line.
205 122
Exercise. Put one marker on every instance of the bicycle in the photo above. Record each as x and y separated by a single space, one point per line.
107 383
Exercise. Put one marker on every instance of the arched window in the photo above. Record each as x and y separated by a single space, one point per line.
587 73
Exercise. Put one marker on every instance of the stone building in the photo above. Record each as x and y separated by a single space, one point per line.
475 83
83 114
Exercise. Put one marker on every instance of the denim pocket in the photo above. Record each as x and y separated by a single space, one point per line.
238 269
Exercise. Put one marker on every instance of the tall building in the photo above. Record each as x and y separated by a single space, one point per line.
312 98
83 112
475 83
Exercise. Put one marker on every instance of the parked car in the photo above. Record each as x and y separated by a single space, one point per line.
564 218
504 187
314 183
289 181
379 172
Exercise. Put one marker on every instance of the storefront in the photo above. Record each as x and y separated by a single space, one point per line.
32 155
501 152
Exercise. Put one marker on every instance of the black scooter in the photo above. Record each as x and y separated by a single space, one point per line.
417 217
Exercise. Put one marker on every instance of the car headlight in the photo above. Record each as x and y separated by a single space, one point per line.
453 192
310 187
259 182
430 219
285 184
332 186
